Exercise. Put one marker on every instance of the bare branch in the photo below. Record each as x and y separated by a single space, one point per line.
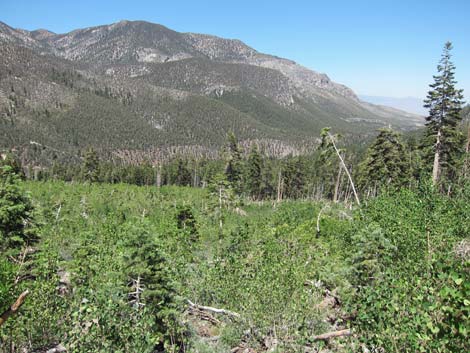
328 335
14 308
214 310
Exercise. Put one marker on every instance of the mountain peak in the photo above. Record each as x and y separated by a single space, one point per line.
40 34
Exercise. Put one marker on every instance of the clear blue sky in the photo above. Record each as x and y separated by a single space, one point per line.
379 47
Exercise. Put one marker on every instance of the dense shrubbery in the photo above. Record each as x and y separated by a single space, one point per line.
116 265
411 290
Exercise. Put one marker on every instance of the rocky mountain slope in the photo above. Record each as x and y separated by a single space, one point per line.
142 90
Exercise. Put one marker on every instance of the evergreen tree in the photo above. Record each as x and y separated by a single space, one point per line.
222 198
254 173
267 181
15 164
233 168
15 212
90 166
443 139
385 162
294 177
183 174
151 282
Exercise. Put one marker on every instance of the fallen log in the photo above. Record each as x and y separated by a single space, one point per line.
14 308
214 310
328 335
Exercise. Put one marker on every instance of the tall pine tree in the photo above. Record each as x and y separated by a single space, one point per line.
385 162
234 166
254 173
443 139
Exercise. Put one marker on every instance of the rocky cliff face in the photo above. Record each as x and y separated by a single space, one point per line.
141 42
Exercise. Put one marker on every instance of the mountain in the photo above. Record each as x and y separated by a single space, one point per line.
409 104
139 91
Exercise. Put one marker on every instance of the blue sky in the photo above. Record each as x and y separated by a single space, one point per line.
381 47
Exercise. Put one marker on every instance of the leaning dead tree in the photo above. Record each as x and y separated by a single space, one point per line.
326 134
14 308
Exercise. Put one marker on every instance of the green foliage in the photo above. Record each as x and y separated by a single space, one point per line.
234 166
415 301
90 165
293 174
9 159
187 222
443 140
254 173
222 199
393 266
151 285
385 163
372 255
7 273
15 212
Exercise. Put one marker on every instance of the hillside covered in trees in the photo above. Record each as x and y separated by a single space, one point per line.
135 90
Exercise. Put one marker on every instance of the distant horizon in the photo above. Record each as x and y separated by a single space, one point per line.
384 50
408 104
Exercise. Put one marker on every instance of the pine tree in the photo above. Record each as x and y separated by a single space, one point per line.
254 173
294 177
222 197
152 287
385 162
443 139
233 168
16 212
15 164
183 174
90 171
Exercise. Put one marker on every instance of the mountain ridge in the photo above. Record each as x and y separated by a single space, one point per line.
170 89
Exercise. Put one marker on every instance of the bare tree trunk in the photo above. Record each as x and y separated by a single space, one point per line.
221 226
467 147
435 167
345 169
195 179
467 150
279 187
158 179
338 181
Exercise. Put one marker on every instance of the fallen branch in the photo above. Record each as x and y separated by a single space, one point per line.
214 310
14 308
328 335
204 315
